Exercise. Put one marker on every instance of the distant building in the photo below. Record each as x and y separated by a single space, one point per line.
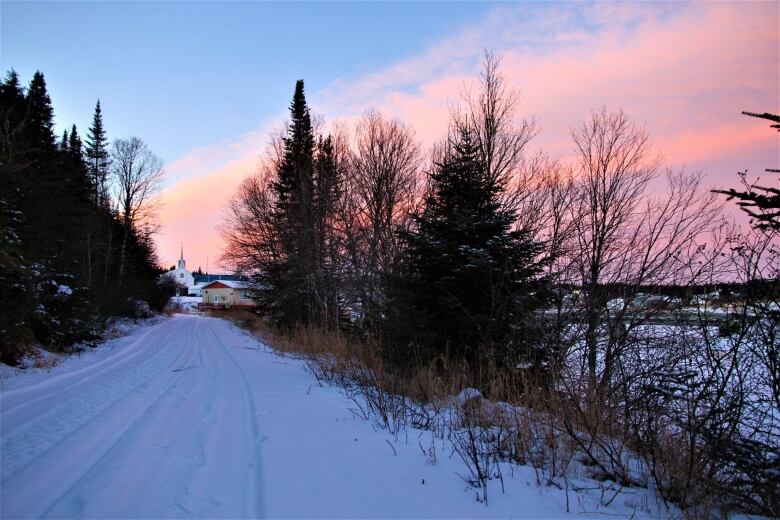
192 284
226 293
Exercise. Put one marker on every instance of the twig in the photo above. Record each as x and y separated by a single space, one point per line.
185 368
391 446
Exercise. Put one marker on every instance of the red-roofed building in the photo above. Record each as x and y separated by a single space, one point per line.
226 294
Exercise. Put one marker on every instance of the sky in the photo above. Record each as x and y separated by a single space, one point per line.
205 83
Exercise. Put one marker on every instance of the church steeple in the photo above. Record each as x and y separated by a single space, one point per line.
181 265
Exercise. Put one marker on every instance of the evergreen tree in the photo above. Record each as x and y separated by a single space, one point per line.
76 168
98 159
47 241
39 120
467 281
12 112
16 302
761 203
289 282
75 145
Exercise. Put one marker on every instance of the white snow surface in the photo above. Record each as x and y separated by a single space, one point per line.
186 303
190 417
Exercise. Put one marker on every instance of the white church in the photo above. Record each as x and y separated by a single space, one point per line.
188 283
185 282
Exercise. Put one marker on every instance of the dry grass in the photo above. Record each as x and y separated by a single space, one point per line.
558 436
45 360
558 432
516 426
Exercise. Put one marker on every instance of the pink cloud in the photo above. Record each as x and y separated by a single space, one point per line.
201 183
684 70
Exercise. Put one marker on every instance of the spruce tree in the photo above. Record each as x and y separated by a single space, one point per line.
39 123
48 244
467 281
64 141
75 145
17 304
289 283
98 159
12 112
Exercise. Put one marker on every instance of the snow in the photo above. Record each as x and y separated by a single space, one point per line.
186 303
466 395
233 284
190 417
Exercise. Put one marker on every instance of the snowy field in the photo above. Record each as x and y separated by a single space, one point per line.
190 417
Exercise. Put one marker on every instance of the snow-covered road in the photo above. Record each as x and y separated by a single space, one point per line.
190 417
158 429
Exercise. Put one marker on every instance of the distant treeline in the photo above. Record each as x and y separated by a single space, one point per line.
70 255
727 292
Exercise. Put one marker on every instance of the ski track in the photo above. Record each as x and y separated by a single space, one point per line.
128 434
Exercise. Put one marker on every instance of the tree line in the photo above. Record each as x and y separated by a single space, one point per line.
76 223
484 254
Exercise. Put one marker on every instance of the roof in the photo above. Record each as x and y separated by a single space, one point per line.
233 284
206 278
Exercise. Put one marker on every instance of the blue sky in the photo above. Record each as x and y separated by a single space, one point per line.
186 74
205 83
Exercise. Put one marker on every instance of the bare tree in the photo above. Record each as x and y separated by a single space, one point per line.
137 176
491 114
629 235
248 229
385 169
624 236
332 168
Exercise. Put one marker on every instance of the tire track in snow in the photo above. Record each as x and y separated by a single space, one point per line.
60 468
64 416
25 397
253 487
19 405
171 431
147 442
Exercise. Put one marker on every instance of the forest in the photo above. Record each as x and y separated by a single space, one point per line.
76 226
629 322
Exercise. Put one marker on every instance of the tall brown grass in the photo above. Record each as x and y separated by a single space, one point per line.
517 425
558 432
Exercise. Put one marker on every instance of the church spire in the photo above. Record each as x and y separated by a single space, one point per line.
181 265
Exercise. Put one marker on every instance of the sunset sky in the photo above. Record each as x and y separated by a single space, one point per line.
204 83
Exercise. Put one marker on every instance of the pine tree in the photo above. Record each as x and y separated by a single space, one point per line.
52 235
98 159
75 145
39 124
291 281
16 302
16 296
467 281
761 203
12 111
